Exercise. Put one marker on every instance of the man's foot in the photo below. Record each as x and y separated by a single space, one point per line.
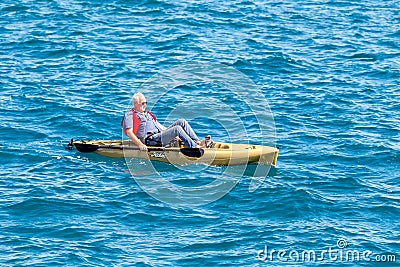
206 142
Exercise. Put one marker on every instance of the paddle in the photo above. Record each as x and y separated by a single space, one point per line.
189 152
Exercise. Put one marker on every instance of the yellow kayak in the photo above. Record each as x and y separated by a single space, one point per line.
220 154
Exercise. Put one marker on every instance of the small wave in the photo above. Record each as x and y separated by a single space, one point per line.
364 56
15 8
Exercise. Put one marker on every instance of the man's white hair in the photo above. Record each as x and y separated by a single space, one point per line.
136 97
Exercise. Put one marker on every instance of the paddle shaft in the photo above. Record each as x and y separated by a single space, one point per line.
189 152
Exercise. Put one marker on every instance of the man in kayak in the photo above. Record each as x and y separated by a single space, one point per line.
142 127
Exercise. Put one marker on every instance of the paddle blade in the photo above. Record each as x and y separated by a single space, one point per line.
192 152
86 148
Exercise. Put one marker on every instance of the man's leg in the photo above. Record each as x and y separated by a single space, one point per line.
171 133
187 128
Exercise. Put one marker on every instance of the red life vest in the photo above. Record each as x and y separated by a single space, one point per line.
136 121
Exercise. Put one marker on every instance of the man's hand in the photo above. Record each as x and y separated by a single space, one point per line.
143 147
133 137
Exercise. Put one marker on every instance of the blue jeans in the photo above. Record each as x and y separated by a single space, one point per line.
180 128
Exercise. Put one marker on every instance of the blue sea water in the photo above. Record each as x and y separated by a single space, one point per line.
330 71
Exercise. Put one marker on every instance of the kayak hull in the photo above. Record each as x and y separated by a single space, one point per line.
221 154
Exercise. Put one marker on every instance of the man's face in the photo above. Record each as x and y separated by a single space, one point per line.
141 105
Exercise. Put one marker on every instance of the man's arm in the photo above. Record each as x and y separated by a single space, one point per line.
133 137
